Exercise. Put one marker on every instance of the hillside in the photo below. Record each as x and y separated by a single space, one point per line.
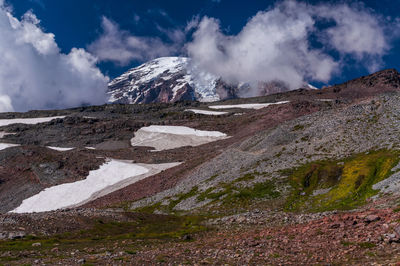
298 177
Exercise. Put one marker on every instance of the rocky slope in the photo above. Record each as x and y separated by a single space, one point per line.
313 180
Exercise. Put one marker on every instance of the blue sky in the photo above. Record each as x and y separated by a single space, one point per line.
77 23
58 49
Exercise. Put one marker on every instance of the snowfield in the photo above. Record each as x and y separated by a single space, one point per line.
111 176
7 145
29 121
246 106
171 137
205 112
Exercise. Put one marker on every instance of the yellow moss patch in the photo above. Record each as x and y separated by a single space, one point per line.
345 184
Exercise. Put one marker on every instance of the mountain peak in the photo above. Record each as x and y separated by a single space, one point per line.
172 79
165 79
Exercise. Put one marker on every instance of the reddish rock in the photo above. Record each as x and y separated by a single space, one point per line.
371 218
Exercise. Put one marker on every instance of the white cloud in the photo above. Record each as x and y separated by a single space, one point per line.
122 47
5 104
358 32
34 74
275 45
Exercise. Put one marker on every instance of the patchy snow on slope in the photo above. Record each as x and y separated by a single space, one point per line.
246 106
60 148
325 100
69 194
311 87
29 121
171 137
181 130
205 112
3 134
7 145
152 69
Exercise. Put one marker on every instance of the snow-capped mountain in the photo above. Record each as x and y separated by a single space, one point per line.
172 79
166 79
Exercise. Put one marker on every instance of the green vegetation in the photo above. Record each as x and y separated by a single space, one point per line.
149 208
145 227
172 203
347 243
234 194
264 190
346 184
298 127
316 186
366 245
182 197
212 178
247 177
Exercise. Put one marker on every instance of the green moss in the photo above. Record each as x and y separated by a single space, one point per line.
298 127
350 181
275 255
247 177
305 138
149 208
208 194
232 195
182 197
212 178
264 190
366 245
347 243
131 252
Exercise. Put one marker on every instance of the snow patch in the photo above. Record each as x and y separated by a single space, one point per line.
205 112
7 145
246 106
29 121
181 130
111 176
171 137
326 100
3 134
60 148
311 87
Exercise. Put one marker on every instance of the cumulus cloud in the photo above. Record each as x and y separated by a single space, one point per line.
120 46
358 32
275 44
34 74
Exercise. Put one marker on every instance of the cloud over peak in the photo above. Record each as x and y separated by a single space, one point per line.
122 47
275 45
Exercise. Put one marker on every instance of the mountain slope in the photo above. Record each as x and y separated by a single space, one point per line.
277 191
